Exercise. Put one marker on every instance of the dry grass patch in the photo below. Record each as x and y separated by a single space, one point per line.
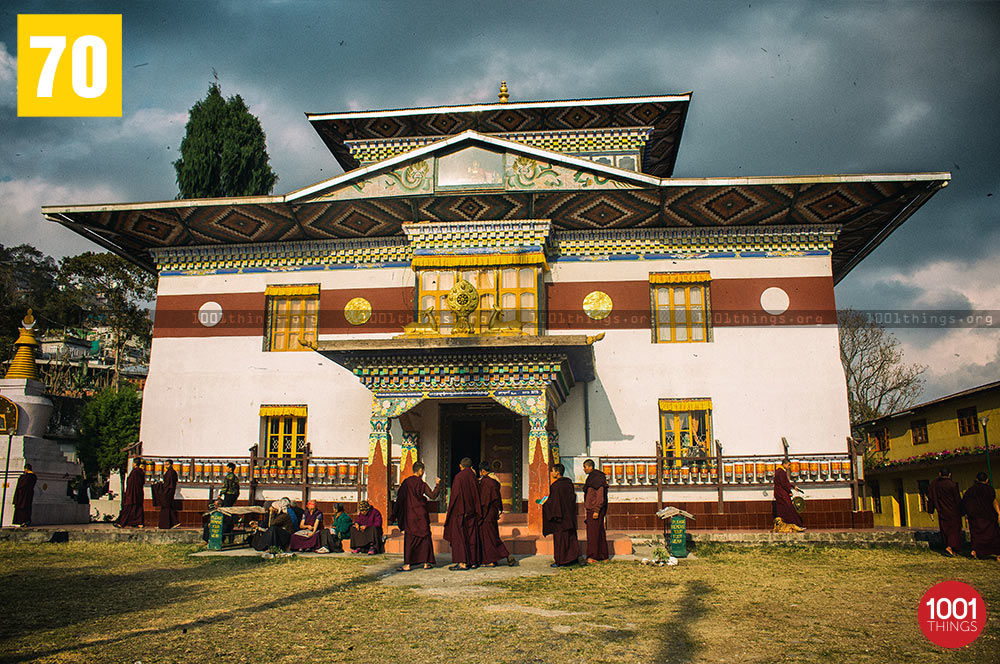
130 602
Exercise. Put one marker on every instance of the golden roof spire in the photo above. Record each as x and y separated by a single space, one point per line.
23 365
504 97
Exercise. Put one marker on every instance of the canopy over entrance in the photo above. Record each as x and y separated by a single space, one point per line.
529 375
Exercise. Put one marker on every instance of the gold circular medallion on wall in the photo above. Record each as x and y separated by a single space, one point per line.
358 311
597 305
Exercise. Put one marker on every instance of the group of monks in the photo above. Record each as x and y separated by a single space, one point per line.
472 524
979 505
132 514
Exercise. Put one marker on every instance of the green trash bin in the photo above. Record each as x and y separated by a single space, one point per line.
678 536
215 530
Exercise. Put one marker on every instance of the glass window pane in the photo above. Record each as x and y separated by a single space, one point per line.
430 280
509 278
446 281
695 294
487 280
427 301
679 299
527 300
681 333
526 278
697 333
508 301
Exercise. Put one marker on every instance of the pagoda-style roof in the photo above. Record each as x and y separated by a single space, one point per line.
525 183
664 114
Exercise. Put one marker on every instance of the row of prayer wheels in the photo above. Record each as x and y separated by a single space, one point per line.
628 473
340 473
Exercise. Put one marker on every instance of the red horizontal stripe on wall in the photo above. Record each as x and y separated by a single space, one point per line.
734 303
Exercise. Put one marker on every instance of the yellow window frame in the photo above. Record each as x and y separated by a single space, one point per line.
680 307
293 315
514 287
684 422
284 438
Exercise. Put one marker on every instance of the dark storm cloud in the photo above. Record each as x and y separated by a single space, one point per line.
779 89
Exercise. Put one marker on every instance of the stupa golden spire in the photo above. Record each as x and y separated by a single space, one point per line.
504 97
23 365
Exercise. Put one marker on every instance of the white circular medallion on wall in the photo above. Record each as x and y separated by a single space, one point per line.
774 301
210 314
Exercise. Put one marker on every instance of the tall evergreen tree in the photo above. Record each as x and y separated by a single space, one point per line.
224 151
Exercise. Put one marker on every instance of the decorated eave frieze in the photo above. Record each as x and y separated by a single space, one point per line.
695 242
462 374
519 240
579 142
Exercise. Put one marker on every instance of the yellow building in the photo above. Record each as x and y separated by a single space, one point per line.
908 449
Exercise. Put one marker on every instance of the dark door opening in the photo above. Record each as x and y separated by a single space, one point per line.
901 500
466 441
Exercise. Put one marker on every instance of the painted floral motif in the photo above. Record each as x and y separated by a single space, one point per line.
414 177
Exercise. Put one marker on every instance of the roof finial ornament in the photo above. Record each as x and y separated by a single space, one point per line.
504 97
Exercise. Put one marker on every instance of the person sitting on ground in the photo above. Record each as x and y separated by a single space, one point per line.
308 536
366 534
331 539
279 529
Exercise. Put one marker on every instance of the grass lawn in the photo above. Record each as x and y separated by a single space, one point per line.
131 603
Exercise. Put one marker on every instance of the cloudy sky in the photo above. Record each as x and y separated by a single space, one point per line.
779 89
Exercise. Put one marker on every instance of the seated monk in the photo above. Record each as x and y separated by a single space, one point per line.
331 539
366 533
278 531
307 537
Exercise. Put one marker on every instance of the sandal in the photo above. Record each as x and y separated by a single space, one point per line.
403 569
458 568
428 566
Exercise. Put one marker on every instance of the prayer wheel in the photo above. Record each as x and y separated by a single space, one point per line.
796 467
760 469
704 475
199 470
824 469
770 470
738 472
713 474
630 472
244 470
342 470
312 471
651 472
352 473
619 473
845 468
506 490
675 475
364 472
606 469
272 473
727 470
327 473
186 470
814 469
217 469
640 470
158 467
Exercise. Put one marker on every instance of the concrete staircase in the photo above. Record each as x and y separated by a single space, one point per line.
514 533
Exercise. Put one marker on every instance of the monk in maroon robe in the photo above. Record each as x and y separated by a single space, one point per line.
410 514
783 508
24 494
489 522
461 526
168 506
595 506
559 518
943 496
132 511
982 510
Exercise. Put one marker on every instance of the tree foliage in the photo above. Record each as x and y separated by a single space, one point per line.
108 423
114 293
878 381
224 151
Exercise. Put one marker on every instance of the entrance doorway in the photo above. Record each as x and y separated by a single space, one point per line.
488 432
901 501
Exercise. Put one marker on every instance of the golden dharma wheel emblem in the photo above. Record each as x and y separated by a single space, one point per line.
597 305
358 311
463 299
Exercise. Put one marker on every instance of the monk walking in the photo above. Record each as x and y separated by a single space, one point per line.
489 527
943 496
410 513
980 505
783 508
595 506
168 507
24 495
559 518
461 526
132 511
